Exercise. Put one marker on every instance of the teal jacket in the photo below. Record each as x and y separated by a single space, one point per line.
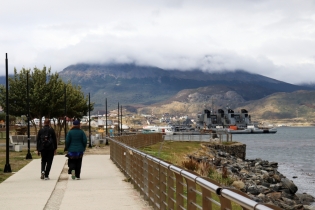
76 140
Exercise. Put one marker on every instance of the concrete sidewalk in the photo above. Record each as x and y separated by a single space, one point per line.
102 186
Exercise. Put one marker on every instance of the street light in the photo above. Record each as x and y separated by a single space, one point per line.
121 129
28 155
90 143
65 101
7 168
106 121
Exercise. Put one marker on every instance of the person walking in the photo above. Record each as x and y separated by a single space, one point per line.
75 145
46 145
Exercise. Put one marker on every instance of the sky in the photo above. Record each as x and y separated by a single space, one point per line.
274 38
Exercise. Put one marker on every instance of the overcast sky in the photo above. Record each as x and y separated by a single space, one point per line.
274 38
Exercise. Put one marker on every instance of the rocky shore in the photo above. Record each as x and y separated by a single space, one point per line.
258 178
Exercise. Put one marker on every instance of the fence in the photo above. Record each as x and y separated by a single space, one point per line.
187 136
166 186
140 140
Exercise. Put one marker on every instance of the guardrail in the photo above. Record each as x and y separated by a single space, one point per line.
166 186
188 136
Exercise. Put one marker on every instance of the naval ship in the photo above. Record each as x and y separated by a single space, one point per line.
230 122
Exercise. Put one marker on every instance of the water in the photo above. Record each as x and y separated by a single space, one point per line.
292 147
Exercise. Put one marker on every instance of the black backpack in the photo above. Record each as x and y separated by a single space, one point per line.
46 140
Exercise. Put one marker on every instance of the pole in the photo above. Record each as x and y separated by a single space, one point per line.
65 100
90 143
118 120
106 121
28 155
7 168
121 130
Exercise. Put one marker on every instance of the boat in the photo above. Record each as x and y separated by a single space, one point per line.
166 130
150 129
238 130
259 130
230 122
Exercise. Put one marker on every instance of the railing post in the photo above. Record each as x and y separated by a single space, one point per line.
206 202
162 193
171 189
191 194
179 191
150 183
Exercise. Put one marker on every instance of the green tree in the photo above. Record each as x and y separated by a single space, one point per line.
46 96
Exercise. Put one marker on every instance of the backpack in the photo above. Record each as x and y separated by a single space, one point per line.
46 140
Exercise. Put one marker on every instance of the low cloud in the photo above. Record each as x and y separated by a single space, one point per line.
274 39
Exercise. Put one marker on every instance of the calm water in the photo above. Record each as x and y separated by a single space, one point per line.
292 147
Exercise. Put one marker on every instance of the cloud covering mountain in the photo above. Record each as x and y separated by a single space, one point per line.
274 39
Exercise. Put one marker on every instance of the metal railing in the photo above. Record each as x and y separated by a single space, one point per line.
166 186
187 136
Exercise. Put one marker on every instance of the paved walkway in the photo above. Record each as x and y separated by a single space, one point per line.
102 186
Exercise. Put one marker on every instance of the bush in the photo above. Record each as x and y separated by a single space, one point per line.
191 165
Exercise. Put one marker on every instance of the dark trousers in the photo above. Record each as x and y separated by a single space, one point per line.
75 164
47 159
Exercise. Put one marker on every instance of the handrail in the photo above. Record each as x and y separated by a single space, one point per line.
167 186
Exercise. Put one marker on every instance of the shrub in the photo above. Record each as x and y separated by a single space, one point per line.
191 165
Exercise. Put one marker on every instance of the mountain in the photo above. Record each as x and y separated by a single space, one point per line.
135 85
292 108
150 88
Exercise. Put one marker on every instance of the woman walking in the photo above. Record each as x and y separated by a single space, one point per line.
75 144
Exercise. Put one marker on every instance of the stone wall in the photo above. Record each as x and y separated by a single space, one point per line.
236 149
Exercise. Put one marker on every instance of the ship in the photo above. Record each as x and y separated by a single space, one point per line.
230 122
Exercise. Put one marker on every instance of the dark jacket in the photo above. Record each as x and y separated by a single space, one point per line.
76 140
50 132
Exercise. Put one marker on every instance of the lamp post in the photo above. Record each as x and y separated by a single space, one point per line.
28 155
7 167
65 101
121 130
90 143
106 121
118 120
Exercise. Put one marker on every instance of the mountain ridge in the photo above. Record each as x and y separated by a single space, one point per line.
140 86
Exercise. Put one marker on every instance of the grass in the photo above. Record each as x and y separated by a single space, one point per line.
17 159
176 153
173 152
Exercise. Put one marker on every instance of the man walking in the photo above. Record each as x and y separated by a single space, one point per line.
46 148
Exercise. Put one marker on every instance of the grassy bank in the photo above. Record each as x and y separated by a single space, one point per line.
177 154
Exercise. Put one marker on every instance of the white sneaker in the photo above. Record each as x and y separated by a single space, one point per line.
42 175
46 178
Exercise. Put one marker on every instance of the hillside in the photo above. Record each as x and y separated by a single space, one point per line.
142 85
150 88
295 108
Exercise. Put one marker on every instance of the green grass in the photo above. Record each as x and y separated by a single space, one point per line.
176 153
17 159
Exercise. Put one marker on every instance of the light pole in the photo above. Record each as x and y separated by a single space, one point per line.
7 168
90 143
106 121
28 155
65 100
118 120
121 130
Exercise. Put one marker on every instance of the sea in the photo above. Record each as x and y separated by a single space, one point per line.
292 148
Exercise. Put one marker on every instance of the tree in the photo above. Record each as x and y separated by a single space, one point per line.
46 96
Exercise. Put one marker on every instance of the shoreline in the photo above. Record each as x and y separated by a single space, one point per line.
259 179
